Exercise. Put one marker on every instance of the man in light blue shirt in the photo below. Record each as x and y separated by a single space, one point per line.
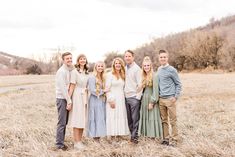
169 91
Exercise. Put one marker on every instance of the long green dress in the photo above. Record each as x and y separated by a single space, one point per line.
150 124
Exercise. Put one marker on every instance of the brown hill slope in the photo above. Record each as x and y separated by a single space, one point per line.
12 65
210 46
207 47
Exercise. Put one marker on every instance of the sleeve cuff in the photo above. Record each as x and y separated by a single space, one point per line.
138 97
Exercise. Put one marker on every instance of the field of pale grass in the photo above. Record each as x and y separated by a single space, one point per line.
206 120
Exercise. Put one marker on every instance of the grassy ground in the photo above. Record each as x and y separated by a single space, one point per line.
206 114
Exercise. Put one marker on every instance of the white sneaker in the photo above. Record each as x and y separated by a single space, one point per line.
79 146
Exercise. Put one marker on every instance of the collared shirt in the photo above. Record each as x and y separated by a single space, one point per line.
62 83
133 81
163 66
128 66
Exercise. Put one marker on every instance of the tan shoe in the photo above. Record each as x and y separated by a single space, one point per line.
79 146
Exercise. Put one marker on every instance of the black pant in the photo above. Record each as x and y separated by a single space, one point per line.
62 121
133 116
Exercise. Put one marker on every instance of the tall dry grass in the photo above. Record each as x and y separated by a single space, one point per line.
206 113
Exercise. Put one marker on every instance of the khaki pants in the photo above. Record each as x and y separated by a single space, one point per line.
168 109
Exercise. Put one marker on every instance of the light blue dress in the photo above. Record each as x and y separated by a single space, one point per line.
96 111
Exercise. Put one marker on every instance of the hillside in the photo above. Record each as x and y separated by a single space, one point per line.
211 46
207 47
14 65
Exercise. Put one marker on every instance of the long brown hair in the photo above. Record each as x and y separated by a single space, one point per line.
77 65
122 71
147 78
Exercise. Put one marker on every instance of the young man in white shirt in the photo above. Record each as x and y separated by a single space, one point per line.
63 100
132 82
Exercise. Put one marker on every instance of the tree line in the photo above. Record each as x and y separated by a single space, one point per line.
211 46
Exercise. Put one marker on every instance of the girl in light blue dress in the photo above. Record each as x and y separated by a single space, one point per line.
97 104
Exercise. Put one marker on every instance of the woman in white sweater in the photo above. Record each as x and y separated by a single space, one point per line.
116 115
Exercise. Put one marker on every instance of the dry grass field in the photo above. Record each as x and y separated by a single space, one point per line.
206 120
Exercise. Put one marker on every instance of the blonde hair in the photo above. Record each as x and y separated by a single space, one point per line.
147 78
122 71
99 80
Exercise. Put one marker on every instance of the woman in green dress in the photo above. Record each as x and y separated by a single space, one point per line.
150 124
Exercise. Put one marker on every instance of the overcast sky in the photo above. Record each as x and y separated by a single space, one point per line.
95 27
